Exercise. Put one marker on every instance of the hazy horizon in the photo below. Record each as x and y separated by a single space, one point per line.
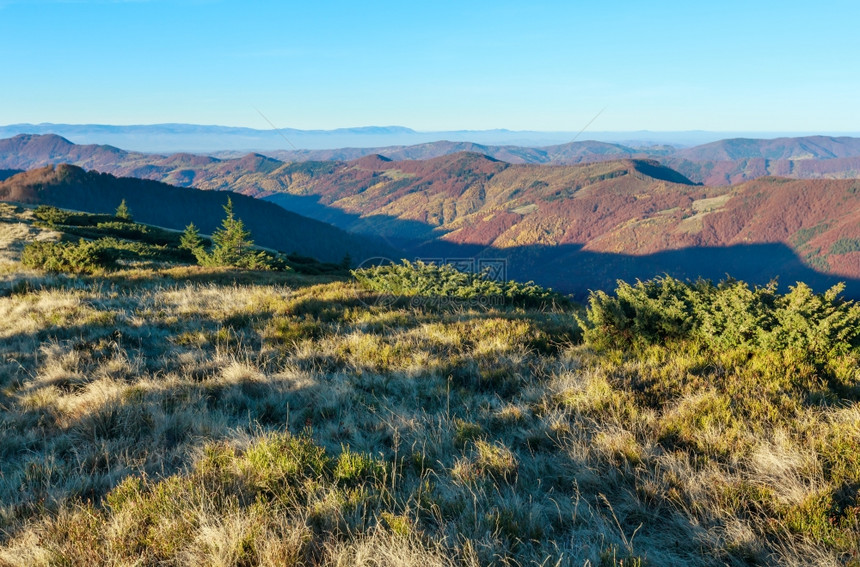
585 132
197 138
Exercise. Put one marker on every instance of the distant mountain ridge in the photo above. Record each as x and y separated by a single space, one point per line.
719 163
810 158
561 154
809 147
169 138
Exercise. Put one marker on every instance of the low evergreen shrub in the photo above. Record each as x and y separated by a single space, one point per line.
724 316
446 281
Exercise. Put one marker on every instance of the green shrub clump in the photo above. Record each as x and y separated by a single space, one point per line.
725 316
433 280
92 256
76 258
54 217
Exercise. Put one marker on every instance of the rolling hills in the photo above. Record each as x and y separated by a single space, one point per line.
569 153
574 227
809 147
580 227
719 163
732 161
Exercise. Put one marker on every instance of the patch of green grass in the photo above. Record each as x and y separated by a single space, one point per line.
353 468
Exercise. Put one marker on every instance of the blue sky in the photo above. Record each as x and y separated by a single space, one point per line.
663 65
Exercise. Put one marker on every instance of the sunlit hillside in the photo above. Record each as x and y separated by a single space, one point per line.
164 413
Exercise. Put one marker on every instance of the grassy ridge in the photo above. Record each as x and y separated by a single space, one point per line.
96 243
207 416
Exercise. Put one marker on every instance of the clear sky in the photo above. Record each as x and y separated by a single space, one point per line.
437 65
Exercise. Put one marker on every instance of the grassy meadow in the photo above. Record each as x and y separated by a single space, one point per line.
161 413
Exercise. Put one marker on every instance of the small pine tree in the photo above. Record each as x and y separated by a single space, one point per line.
346 263
190 239
233 245
122 211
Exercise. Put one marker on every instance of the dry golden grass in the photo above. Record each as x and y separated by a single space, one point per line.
199 417
16 231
